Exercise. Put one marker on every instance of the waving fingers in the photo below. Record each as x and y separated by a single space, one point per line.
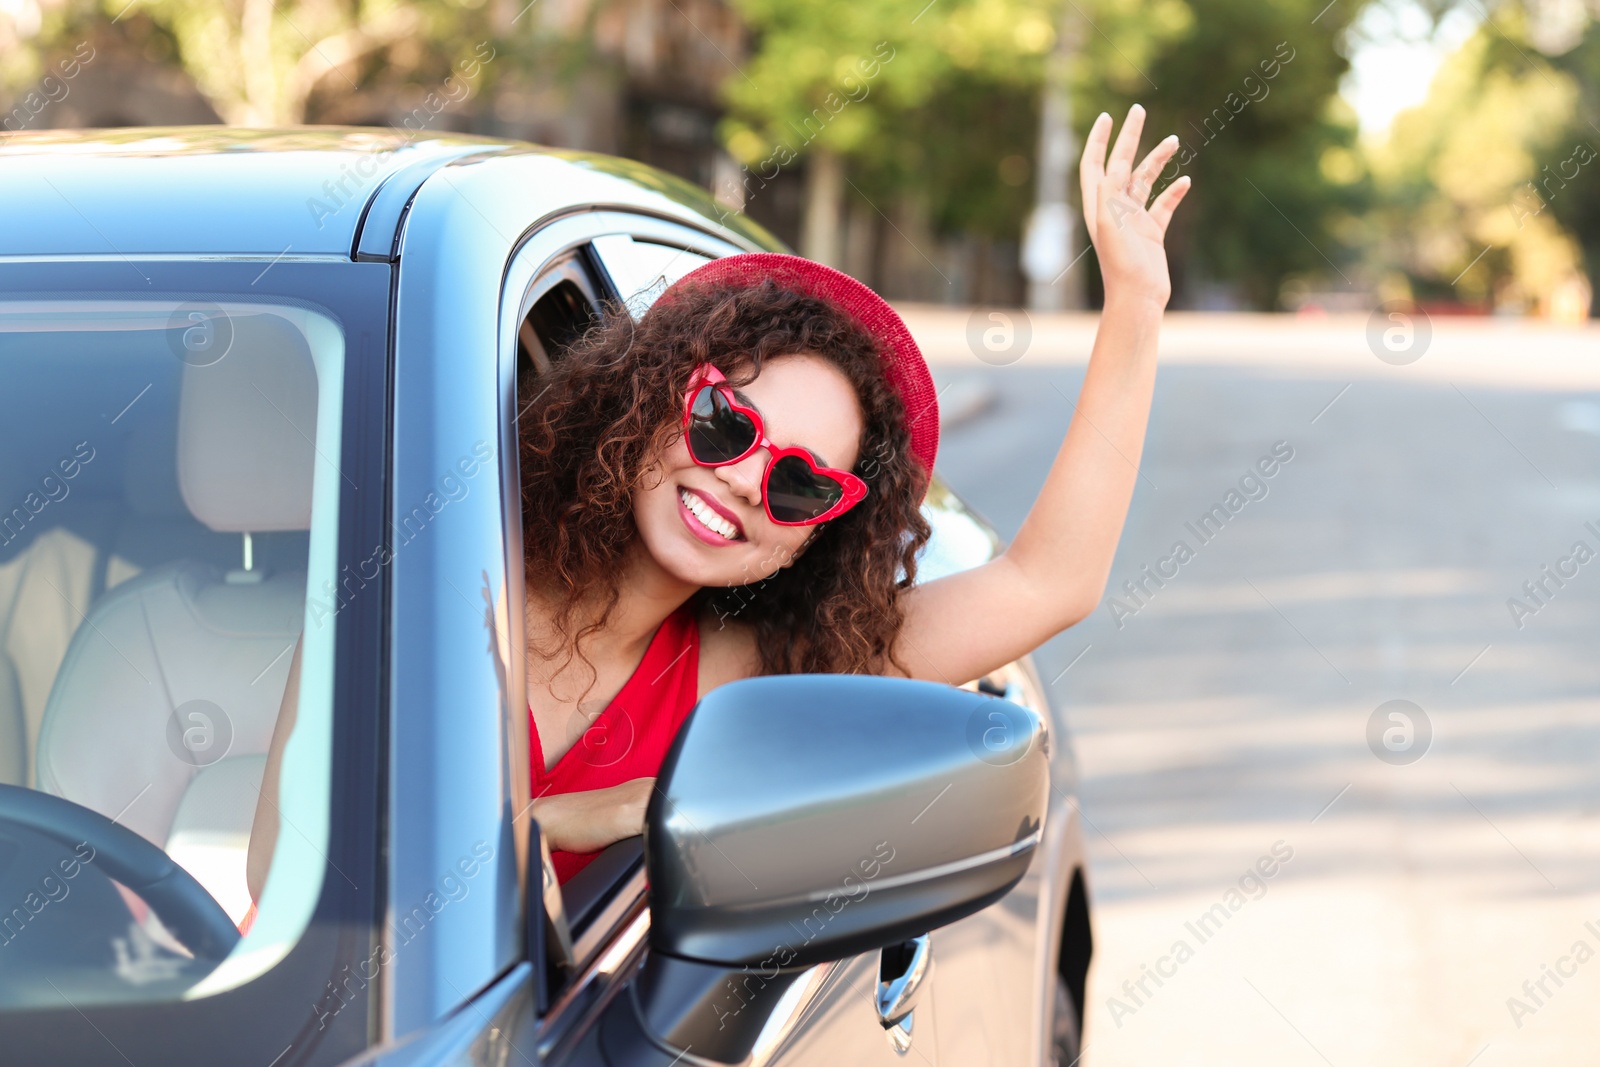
1144 177
1092 167
1097 169
1120 167
1167 202
1093 163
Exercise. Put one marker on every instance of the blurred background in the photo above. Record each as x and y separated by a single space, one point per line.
1343 152
1384 271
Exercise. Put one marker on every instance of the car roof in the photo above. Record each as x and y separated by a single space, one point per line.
305 191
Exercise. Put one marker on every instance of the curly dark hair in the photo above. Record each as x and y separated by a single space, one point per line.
592 427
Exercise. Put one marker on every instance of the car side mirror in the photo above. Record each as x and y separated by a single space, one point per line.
804 818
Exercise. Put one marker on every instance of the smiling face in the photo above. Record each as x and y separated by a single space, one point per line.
706 525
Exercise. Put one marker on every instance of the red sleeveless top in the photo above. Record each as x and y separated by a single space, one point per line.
630 738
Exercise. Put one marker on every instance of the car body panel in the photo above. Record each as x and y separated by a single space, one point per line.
158 191
450 771
378 236
178 191
491 1030
841 1025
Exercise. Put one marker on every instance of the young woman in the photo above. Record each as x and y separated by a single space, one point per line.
731 487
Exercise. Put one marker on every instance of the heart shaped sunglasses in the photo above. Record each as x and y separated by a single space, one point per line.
794 490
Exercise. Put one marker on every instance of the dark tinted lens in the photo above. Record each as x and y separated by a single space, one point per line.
717 433
796 493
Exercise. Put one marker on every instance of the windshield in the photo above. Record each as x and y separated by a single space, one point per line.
169 490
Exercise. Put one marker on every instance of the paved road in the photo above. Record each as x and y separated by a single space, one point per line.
1222 719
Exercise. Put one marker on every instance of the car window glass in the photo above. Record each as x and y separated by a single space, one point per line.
642 270
166 498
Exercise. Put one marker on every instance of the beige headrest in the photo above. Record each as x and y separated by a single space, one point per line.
247 428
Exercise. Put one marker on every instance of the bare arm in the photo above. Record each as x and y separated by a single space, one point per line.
591 819
264 829
960 627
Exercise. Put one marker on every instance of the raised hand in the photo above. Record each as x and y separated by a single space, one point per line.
1128 237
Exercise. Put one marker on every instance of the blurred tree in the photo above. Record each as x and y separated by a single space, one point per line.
916 120
1565 183
951 107
1489 187
277 62
890 88
1251 91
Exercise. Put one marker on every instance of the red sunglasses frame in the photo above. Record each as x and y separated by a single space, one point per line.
707 376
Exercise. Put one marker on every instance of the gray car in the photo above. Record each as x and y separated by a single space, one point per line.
259 460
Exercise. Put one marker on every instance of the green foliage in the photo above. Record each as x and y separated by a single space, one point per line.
922 99
862 63
1574 198
1484 185
1250 89
952 117
968 153
936 102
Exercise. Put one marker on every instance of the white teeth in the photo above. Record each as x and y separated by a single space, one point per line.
708 518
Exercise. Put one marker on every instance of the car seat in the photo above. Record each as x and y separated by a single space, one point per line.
163 709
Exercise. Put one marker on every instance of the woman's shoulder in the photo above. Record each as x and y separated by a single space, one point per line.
727 651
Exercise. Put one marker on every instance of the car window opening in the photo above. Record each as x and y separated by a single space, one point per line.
557 319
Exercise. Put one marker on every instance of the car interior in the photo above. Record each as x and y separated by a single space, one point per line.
563 303
152 581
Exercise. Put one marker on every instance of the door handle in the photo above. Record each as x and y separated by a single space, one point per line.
903 973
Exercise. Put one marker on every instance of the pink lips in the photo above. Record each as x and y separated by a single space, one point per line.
700 530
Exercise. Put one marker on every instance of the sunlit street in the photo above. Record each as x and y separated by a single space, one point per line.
1229 713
